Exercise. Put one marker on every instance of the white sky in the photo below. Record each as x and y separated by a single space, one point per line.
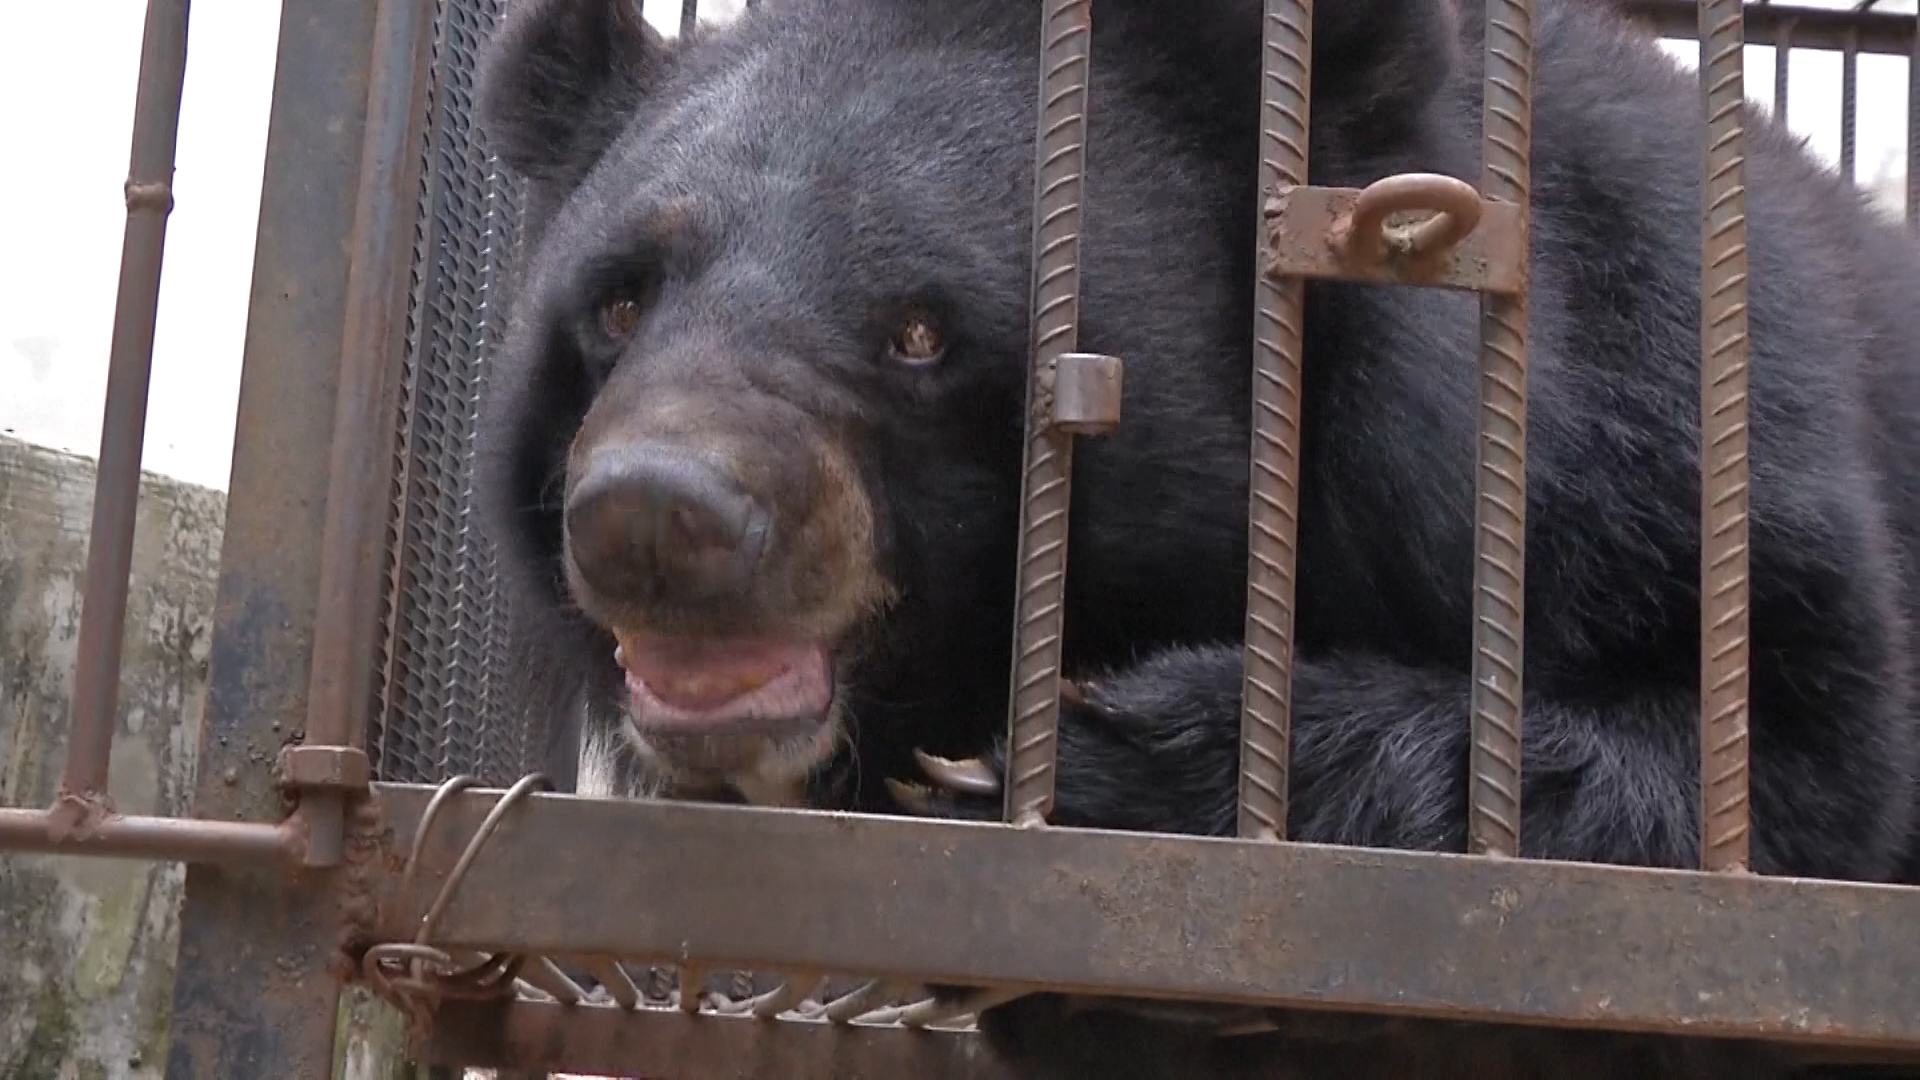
67 125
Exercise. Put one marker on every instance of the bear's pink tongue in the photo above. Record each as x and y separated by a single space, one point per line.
680 685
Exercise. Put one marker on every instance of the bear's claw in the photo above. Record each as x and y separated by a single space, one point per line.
915 797
970 777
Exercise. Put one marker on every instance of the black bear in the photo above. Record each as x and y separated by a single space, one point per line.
754 443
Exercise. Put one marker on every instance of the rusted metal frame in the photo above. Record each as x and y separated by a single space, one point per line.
330 766
1514 941
82 820
658 1041
116 497
1274 472
254 994
1813 28
340 693
1033 705
1724 616
1500 467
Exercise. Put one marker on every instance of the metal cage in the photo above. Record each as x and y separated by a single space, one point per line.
358 633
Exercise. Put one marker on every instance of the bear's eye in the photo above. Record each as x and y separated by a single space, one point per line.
620 318
917 342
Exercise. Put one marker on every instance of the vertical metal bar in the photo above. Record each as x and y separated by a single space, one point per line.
1723 401
149 195
252 996
1913 128
1782 59
1500 498
1059 180
352 545
1274 476
689 18
1849 103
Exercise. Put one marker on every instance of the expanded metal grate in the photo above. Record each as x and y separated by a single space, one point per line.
439 709
445 631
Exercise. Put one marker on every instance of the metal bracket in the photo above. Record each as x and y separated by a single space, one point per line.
1081 394
1463 241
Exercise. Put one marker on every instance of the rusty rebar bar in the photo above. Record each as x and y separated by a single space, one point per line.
1913 128
1782 58
1849 104
1500 471
1047 480
1273 495
152 838
1723 459
116 494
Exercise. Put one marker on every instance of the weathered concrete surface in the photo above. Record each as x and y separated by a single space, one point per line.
87 946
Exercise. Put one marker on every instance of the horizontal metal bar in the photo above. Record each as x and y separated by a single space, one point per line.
1304 225
160 839
1813 28
1448 936
661 1041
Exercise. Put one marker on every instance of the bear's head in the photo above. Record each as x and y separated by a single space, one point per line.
755 428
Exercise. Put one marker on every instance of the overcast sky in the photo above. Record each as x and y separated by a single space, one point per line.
67 73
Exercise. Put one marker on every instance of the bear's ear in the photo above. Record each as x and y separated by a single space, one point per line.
560 78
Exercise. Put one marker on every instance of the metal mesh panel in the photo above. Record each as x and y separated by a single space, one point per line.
444 634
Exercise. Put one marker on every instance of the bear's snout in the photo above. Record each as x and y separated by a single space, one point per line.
658 524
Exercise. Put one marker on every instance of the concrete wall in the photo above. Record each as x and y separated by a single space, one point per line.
87 945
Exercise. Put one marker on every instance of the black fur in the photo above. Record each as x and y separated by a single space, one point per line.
847 152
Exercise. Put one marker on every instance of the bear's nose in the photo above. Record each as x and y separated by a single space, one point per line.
655 524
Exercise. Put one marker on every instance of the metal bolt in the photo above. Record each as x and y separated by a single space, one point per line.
334 768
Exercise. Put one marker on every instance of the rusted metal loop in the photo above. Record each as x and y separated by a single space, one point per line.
481 835
399 973
412 984
1455 204
373 969
428 817
492 978
372 964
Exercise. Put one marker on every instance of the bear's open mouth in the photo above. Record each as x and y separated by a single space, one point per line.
726 687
